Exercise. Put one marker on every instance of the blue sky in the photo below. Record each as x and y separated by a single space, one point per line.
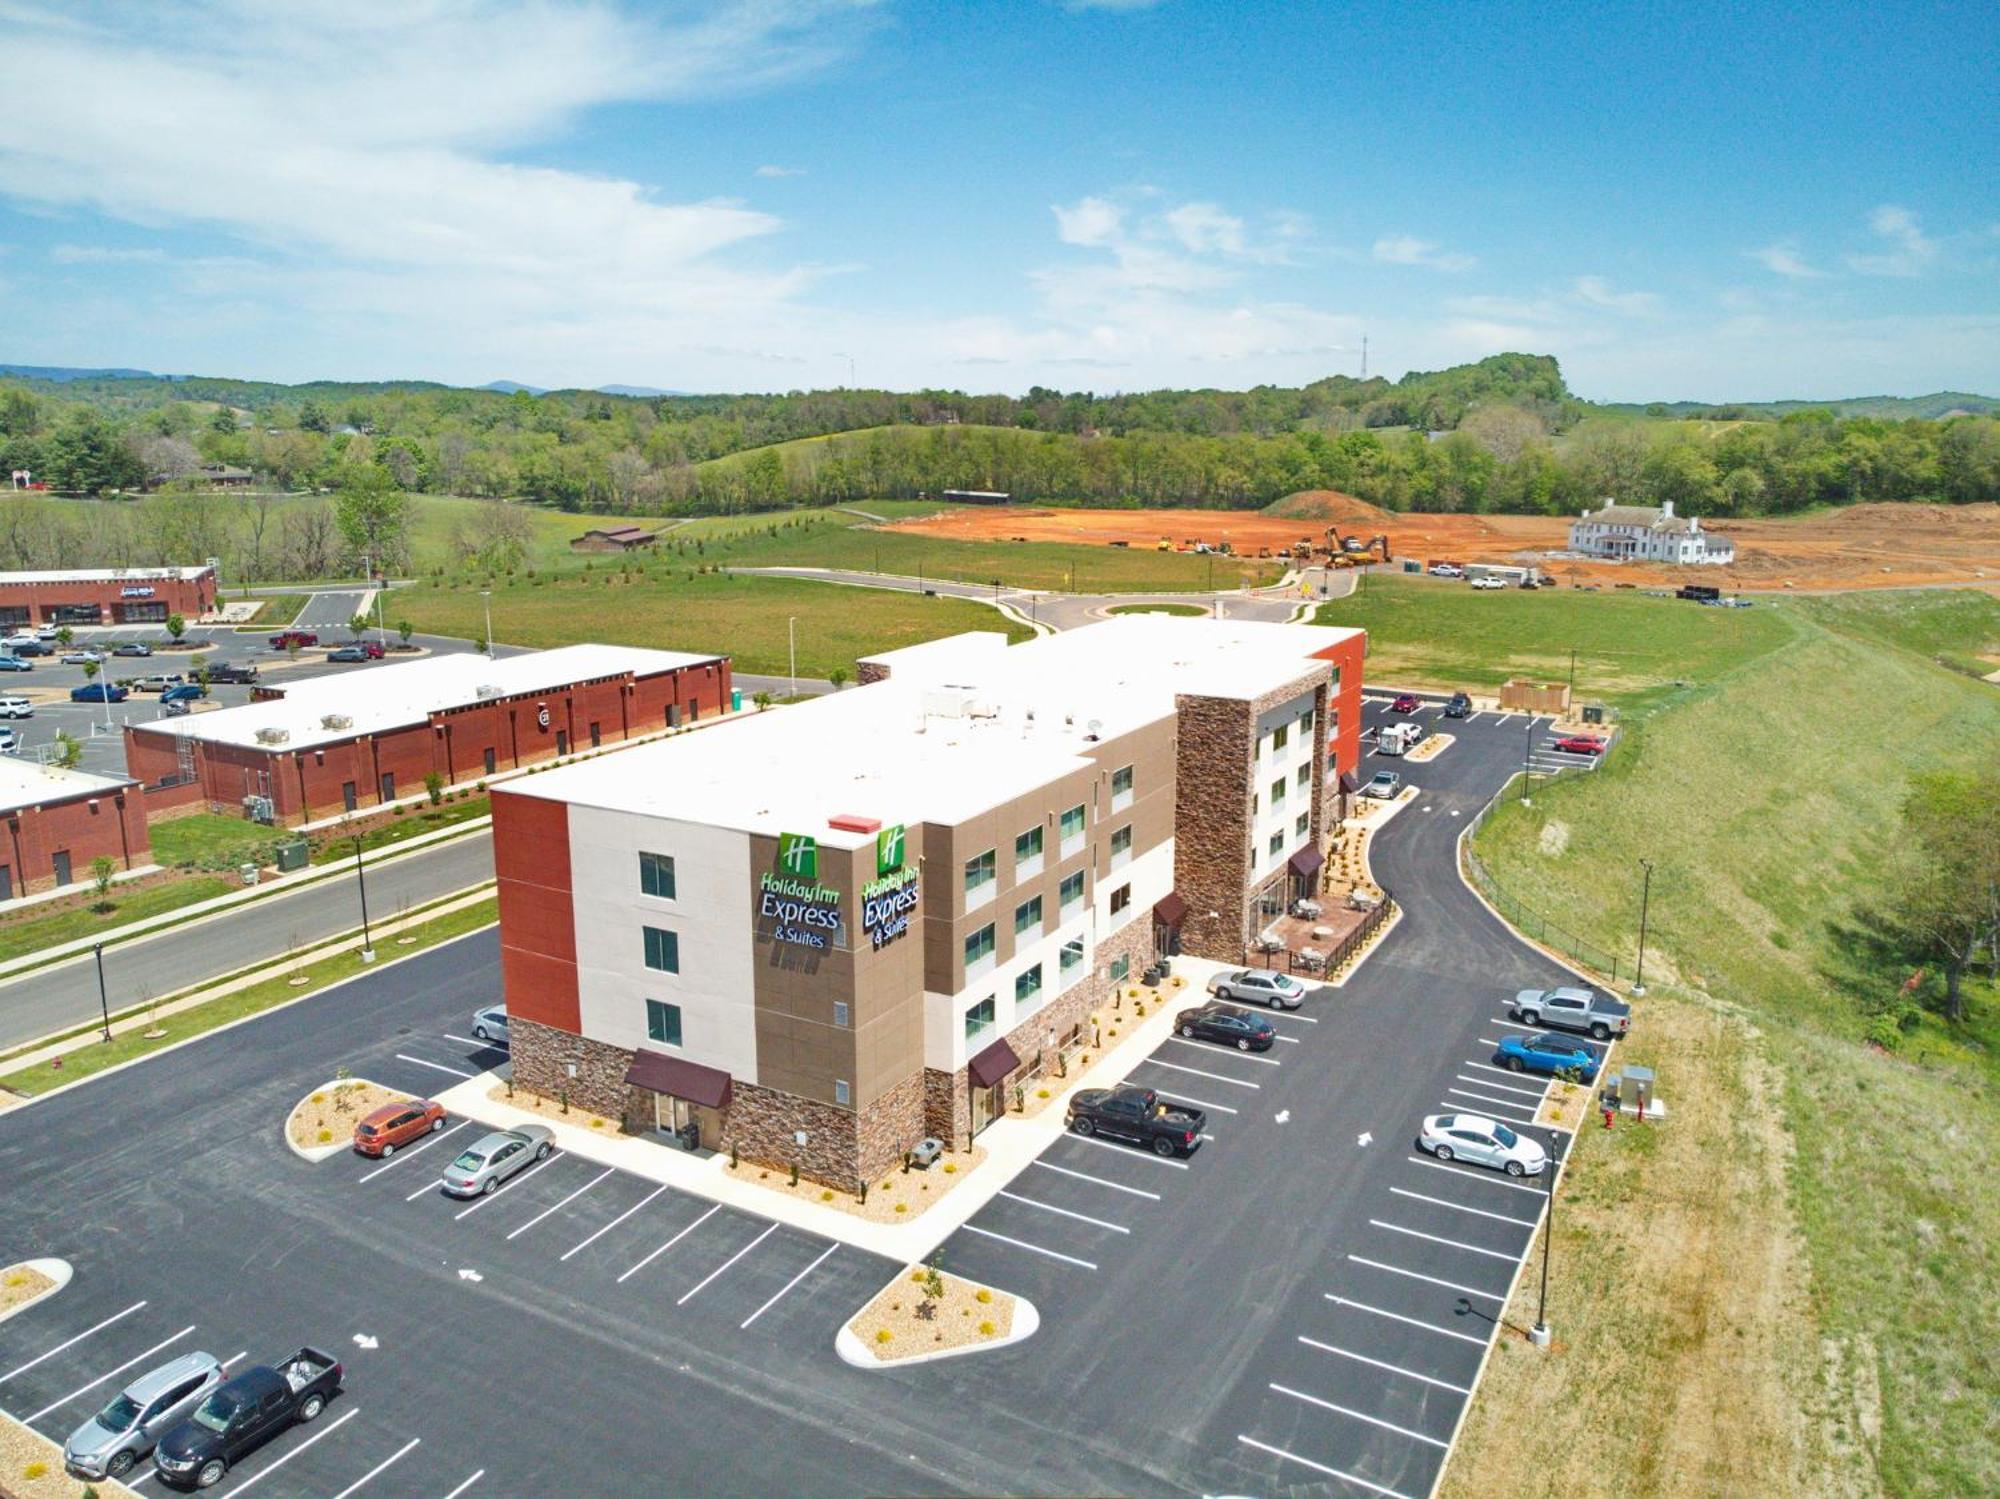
1714 203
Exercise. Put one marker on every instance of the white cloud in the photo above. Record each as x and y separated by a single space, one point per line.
1784 259
1205 229
102 255
1406 249
1909 250
1089 221
768 170
1597 292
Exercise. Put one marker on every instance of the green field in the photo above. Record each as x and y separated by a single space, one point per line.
1186 611
435 518
1955 627
742 617
28 933
1631 650
1768 804
211 841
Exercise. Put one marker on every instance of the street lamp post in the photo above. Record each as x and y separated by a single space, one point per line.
1527 759
792 644
1539 1334
361 880
103 999
486 598
1645 899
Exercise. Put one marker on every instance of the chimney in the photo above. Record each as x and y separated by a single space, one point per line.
1666 510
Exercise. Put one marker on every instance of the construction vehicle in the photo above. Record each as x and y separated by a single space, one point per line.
1302 549
1263 552
1352 551
1165 545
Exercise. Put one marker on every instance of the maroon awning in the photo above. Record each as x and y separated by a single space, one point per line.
680 1078
1170 909
992 1064
1306 862
1349 782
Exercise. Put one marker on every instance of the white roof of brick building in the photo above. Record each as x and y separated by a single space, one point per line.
24 783
108 575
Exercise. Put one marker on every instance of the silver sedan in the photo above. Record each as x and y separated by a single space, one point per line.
482 1166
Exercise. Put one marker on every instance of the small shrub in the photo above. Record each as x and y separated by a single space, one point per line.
986 1329
950 1167
902 1207
15 1278
34 1470
597 1124
319 1098
826 1197
326 1137
1041 1092
883 1335
982 1296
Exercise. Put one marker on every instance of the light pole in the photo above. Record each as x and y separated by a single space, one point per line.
1572 673
1527 759
1645 898
486 598
103 999
792 644
1539 1334
361 880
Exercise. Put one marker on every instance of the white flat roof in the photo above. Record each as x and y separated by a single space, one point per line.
107 575
960 726
24 783
380 698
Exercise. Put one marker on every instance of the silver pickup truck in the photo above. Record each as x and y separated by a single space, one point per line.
1601 1016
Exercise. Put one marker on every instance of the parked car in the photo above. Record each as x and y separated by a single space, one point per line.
1572 1009
482 1166
1406 702
1581 744
30 648
233 671
490 1024
395 1125
240 1416
347 653
1383 785
1482 1142
81 657
48 632
158 681
182 692
16 641
98 692
1446 570
1548 1055
10 741
1138 1115
15 663
110 1443
1264 985
1460 706
1484 583
284 640
178 708
16 707
1216 1021
131 648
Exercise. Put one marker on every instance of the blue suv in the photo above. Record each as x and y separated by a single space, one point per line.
1549 1055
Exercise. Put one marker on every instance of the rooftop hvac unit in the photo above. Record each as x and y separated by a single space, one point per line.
272 734
948 702
487 690
336 721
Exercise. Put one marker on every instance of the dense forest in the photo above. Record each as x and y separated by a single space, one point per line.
1504 434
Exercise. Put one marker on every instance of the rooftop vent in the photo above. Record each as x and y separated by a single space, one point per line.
272 734
336 721
486 690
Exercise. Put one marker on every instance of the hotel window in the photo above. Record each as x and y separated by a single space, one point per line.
1306 726
656 875
1028 854
1277 793
1070 897
979 872
1028 987
1071 830
1303 822
1121 788
1070 966
663 950
1280 737
1121 847
1121 899
840 1013
1277 844
1028 920
979 951
1304 778
979 1018
840 1094
1120 966
663 1022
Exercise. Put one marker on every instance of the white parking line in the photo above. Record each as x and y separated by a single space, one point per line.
475 1041
501 1191
466 1485
1397 1228
1197 1072
1459 1207
1287 1040
1129 1153
1306 1462
1211 1049
399 1453
727 1263
1473 718
435 1066
1202 1103
87 1332
824 1256
1362 1306
1449 1285
1513 1025
1290 1015
1084 1176
670 1243
393 1162
111 1374
325 1431
986 1233
1356 1415
1362 1358
515 1234
616 1221
1528 1109
1504 718
436 1186
1063 1212
1468 1173
1537 1093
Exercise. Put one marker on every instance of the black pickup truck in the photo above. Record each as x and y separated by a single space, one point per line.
1138 1115
243 1414
233 671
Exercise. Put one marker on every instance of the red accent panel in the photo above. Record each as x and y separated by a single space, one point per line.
851 822
1349 655
537 909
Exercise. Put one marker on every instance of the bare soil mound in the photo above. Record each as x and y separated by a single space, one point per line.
1332 506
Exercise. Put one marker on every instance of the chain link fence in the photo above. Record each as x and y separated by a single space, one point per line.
1525 919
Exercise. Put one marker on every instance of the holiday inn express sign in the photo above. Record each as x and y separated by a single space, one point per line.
808 914
888 899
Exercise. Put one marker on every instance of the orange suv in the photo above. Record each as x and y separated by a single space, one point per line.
395 1125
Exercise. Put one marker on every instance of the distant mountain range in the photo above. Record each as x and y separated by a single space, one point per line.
509 387
61 374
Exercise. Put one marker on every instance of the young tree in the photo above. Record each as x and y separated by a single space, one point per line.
838 676
198 669
176 627
69 749
103 869
374 517
1947 904
434 787
64 636
358 626
406 630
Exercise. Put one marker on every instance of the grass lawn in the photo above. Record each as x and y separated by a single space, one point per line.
1958 627
743 617
26 932
1630 650
1186 611
1769 806
411 825
210 840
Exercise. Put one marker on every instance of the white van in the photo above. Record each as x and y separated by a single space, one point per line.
16 707
1398 738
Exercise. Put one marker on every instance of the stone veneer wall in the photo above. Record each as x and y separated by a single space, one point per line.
841 1150
542 1054
891 1125
947 1105
1212 824
869 671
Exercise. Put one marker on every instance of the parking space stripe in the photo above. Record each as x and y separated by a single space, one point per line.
727 1263
986 1233
1196 1072
1356 1415
825 1254
716 1208
436 1186
87 1332
501 1191
1490 1101
1084 1176
616 1221
394 1162
1362 1306
1063 1212
1306 1462
1541 1092
1514 1025
1128 1153
325 1431
1362 1358
475 1041
435 1066
1202 1103
1247 1056
1459 1207
466 1485
399 1454
111 1374
1397 1228
1468 1174
1449 1285
563 1204
1288 1040
1290 1015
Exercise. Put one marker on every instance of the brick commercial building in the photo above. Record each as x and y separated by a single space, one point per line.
359 738
118 596
865 918
59 821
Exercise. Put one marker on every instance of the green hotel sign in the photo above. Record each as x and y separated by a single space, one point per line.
798 855
889 851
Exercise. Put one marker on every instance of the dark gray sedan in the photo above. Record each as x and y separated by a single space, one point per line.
482 1166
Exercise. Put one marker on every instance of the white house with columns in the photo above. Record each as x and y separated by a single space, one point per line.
1647 533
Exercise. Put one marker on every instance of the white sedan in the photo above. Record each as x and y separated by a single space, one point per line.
1487 583
1482 1142
1259 986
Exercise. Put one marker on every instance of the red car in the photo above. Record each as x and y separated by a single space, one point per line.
1581 744
1407 703
395 1125
284 640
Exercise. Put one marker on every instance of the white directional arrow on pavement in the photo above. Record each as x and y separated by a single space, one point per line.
1363 1138
363 1340
1284 1116
470 1275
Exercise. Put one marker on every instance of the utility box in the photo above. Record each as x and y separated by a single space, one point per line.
248 872
928 1150
1593 713
293 855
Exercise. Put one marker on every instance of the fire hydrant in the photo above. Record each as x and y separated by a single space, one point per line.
1610 1115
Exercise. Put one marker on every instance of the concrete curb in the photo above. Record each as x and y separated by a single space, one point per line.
59 1271
854 1352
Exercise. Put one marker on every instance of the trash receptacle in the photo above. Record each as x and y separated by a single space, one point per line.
249 873
293 855
736 700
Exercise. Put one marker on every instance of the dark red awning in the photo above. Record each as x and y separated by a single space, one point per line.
992 1064
679 1078
1306 862
1170 909
1349 782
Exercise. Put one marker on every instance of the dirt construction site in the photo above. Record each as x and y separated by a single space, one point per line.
1862 546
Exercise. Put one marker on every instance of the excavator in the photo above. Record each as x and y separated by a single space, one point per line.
1352 551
